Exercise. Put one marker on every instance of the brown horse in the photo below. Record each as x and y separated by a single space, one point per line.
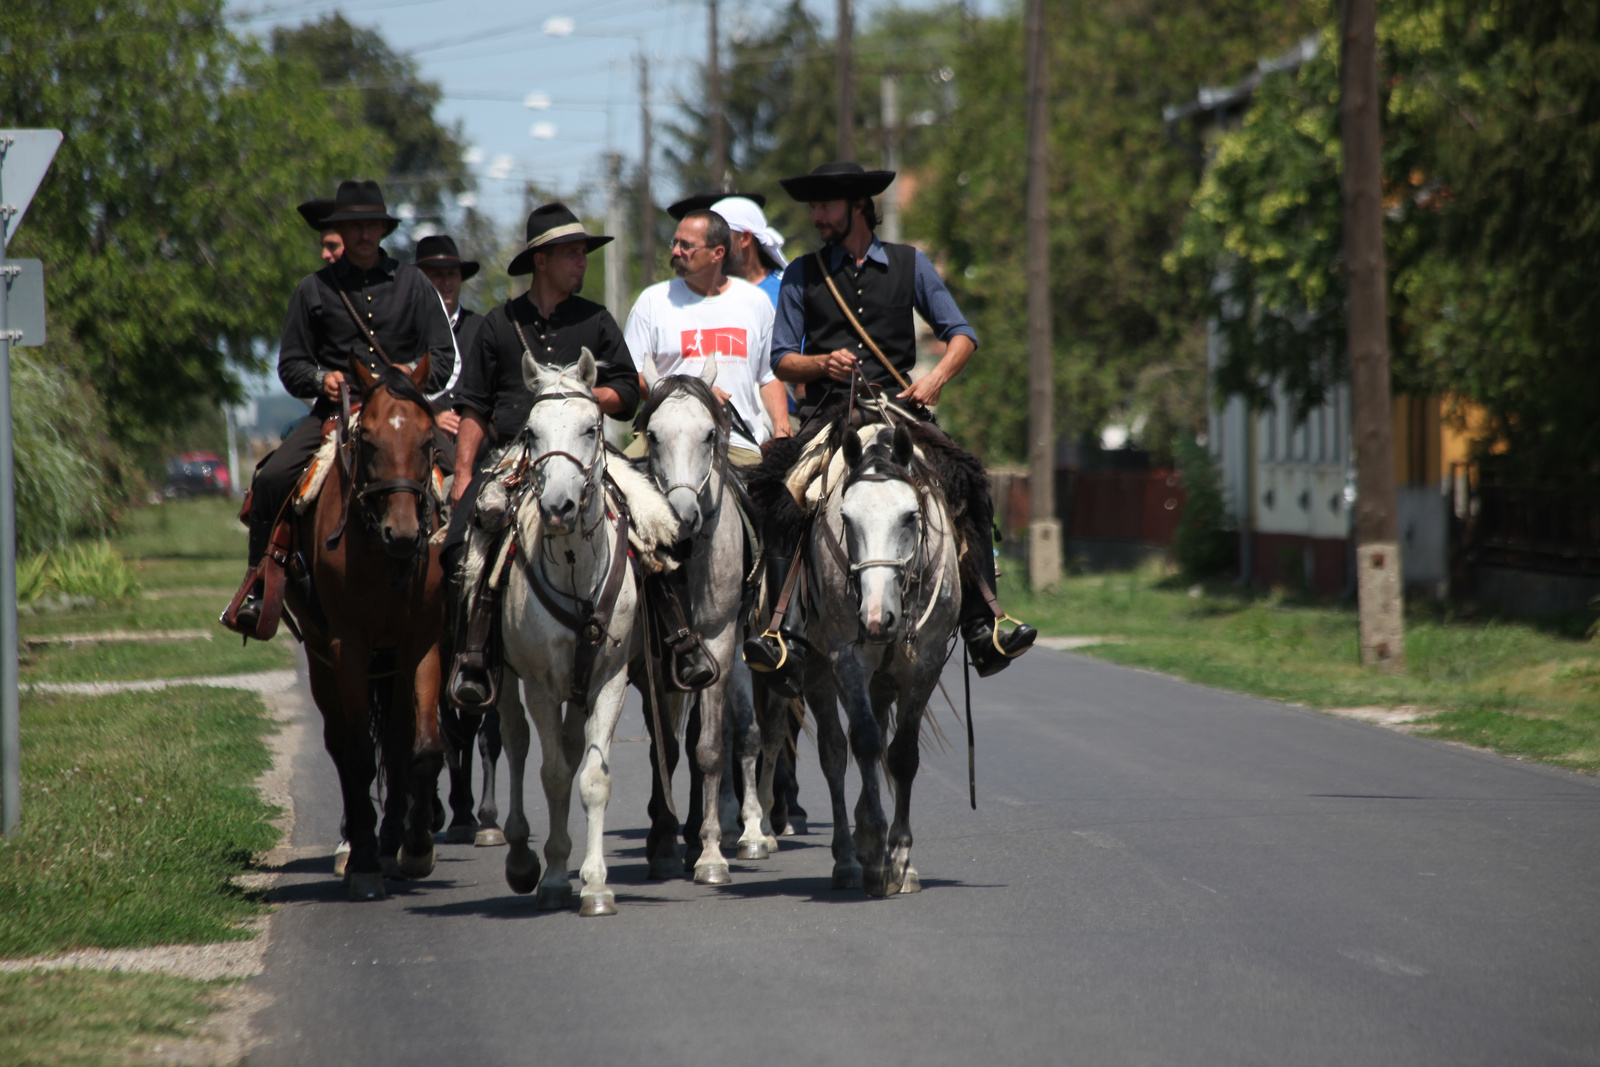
372 618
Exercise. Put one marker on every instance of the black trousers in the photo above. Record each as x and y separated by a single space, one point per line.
276 478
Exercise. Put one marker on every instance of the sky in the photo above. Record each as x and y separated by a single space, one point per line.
544 90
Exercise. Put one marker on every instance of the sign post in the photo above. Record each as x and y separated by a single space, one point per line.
25 155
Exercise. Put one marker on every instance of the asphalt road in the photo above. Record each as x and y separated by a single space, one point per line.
1157 873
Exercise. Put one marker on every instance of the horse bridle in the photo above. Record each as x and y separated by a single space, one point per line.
363 492
711 468
902 566
535 465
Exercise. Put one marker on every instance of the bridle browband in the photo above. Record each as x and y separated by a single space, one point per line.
362 493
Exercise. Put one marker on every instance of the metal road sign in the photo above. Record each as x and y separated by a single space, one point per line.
24 157
24 281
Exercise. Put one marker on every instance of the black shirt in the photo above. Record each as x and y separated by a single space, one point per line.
400 306
491 380
466 330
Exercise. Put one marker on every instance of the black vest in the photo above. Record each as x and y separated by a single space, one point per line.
882 302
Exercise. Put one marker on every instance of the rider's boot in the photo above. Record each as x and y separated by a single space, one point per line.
691 668
249 613
473 679
990 648
781 658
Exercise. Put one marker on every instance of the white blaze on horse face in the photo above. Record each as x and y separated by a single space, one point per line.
398 421
880 520
571 426
683 445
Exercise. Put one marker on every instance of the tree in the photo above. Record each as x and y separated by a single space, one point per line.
167 224
425 164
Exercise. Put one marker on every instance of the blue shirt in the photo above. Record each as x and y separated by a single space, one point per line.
770 285
931 299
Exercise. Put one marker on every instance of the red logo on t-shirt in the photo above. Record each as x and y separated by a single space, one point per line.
722 341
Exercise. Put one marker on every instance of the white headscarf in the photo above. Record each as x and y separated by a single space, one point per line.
744 215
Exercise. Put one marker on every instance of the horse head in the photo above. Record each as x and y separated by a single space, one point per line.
882 516
564 440
687 430
395 449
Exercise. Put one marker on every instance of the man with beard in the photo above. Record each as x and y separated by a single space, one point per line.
334 316
555 324
704 314
825 335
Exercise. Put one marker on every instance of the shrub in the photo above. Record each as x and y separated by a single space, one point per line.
1203 544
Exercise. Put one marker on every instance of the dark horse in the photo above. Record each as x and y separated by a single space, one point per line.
373 623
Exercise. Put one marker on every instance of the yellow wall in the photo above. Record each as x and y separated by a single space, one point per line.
1432 433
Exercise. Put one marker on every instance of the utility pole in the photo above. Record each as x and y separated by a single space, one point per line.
616 255
1044 529
1378 583
845 75
719 119
889 88
647 207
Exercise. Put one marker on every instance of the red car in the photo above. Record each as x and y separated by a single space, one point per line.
197 474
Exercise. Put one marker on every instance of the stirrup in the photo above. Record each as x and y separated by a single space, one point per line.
994 636
783 649
457 669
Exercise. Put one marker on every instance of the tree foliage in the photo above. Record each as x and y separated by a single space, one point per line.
1491 148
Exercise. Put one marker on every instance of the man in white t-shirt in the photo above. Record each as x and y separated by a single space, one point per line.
703 313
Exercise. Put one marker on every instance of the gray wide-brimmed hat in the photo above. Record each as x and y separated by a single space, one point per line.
440 251
703 202
837 181
359 202
550 225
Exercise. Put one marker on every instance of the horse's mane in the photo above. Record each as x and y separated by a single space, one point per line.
399 384
682 383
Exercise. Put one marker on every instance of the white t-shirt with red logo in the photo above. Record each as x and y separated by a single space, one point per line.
678 328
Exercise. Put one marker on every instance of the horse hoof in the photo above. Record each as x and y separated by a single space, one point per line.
522 871
418 866
553 898
771 841
847 878
912 882
391 867
459 834
730 842
599 904
877 883
341 859
366 885
712 875
665 868
752 850
797 825
787 831
493 837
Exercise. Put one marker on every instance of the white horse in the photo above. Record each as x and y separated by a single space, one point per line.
572 571
884 588
687 431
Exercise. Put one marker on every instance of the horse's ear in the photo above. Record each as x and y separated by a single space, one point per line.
530 371
903 447
419 373
852 448
651 374
708 371
586 368
365 379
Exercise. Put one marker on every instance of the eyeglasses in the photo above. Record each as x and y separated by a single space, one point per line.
676 243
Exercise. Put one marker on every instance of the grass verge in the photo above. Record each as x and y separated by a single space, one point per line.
138 809
1507 686
88 1017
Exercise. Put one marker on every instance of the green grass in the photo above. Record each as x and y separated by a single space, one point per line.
83 1018
1507 686
137 810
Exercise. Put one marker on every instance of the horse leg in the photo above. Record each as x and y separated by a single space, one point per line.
767 768
868 713
342 696
489 834
904 759
594 787
710 868
697 791
789 773
561 741
415 734
754 843
729 786
522 867
661 846
833 754
459 731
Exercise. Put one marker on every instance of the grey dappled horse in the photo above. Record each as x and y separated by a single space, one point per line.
885 592
687 431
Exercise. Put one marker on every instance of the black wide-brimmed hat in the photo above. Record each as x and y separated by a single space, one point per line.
359 202
440 251
315 212
550 225
837 181
703 202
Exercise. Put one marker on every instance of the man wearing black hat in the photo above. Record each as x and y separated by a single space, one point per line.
336 315
315 212
438 258
555 325
862 323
